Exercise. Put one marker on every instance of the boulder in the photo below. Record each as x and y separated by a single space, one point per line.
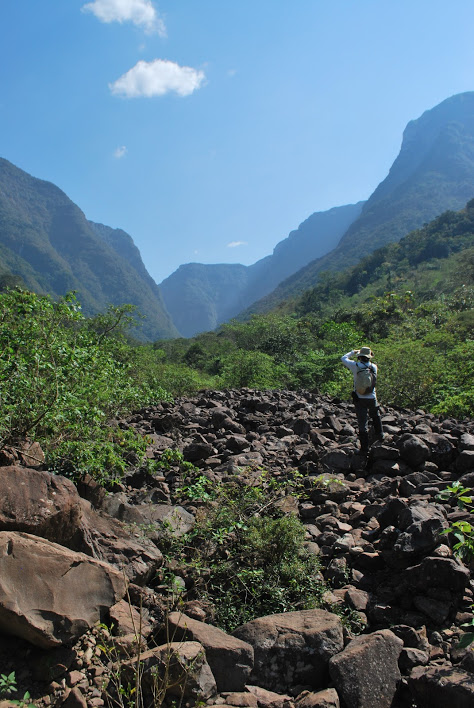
466 442
126 619
413 450
434 572
366 673
465 461
50 595
196 451
421 526
438 687
336 459
230 659
177 520
38 503
269 699
173 669
442 449
292 648
111 541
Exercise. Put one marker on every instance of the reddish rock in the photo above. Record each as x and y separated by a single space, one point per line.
322 699
440 687
50 595
182 664
270 699
39 503
230 659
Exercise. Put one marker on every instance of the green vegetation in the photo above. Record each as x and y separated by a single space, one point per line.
8 686
65 378
245 555
7 683
463 533
462 530
411 301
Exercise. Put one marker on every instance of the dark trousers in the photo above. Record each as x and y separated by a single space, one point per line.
365 407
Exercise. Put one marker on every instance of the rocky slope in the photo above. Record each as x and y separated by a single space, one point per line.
46 239
376 524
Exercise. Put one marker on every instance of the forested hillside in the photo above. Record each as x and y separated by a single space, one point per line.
47 243
411 301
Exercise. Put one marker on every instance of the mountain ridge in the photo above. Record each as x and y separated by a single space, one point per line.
421 184
199 297
46 239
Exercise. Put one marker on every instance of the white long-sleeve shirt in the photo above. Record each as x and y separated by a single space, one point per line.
354 366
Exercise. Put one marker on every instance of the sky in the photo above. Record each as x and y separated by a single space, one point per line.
209 130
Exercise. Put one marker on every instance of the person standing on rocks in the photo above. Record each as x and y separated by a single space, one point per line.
364 395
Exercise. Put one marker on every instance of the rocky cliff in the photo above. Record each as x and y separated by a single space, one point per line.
433 172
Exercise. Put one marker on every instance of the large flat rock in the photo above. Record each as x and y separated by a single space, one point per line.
50 595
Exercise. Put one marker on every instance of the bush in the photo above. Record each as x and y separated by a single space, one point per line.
63 377
243 555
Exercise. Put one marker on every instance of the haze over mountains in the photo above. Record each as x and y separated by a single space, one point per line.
46 239
199 297
433 172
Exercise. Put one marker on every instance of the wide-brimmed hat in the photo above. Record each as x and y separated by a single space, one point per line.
365 351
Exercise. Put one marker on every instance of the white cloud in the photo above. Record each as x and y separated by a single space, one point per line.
156 78
119 152
234 244
140 12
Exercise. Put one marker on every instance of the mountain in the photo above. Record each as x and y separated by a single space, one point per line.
435 261
199 297
433 172
46 239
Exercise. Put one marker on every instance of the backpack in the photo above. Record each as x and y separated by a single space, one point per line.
365 380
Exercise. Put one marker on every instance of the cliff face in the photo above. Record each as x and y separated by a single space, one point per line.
433 172
199 297
46 239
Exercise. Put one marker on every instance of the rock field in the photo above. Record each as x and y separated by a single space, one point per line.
75 564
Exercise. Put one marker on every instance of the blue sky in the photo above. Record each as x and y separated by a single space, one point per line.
209 130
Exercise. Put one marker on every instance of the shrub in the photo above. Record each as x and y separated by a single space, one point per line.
243 555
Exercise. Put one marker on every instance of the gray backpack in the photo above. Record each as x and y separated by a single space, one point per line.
365 379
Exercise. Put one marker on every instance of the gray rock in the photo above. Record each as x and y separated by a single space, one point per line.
466 442
292 648
413 450
465 461
366 673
